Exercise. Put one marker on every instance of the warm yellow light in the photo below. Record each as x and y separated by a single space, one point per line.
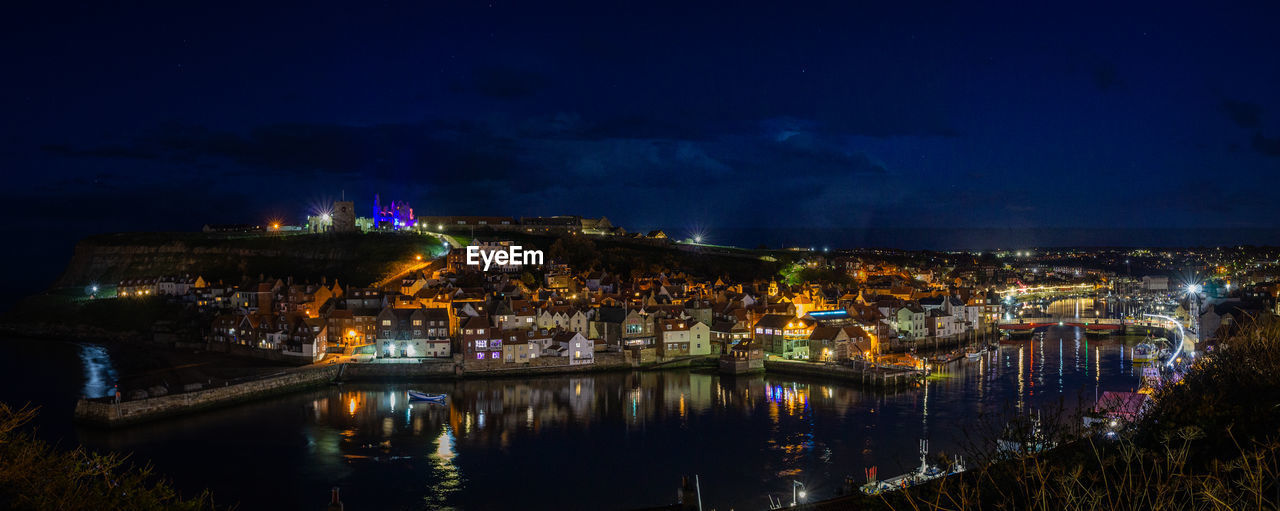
418 257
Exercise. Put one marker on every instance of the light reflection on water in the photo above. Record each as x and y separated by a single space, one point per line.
99 372
504 443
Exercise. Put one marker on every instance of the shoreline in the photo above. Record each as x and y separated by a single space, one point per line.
104 412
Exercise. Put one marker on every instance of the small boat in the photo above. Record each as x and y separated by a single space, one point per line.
1151 350
926 472
423 396
974 354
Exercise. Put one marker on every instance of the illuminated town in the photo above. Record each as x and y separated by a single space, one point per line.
623 256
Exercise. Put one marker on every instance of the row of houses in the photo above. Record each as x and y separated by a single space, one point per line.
431 314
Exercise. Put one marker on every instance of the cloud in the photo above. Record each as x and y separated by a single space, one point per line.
1267 146
1243 113
541 164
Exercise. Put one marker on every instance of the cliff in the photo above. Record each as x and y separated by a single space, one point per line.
355 258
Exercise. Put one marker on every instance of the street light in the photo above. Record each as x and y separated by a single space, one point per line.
794 494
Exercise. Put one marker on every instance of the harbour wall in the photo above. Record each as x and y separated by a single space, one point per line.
849 374
108 413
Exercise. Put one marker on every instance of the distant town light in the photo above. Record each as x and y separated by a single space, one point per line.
418 257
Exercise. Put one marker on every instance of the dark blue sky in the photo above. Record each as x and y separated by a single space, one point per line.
712 116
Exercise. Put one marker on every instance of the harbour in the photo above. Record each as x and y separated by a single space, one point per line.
746 437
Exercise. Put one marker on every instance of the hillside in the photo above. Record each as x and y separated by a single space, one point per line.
356 258
361 258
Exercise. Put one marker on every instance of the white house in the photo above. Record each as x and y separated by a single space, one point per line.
576 347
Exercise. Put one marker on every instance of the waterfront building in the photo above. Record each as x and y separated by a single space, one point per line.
826 343
699 338
479 340
576 347
637 330
744 358
675 338
306 338
784 335
912 322
516 348
412 333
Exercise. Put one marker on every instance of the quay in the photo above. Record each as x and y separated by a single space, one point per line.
109 413
866 374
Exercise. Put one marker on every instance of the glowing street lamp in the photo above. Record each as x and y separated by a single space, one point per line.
797 496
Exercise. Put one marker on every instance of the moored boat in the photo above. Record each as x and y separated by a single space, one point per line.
1145 352
424 396
926 472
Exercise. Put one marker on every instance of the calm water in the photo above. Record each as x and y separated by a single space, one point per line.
608 441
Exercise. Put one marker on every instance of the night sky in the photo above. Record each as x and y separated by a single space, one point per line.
709 117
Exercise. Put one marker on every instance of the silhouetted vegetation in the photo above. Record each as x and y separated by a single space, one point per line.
36 475
116 315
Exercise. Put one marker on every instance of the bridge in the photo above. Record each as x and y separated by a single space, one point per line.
1049 290
1090 325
